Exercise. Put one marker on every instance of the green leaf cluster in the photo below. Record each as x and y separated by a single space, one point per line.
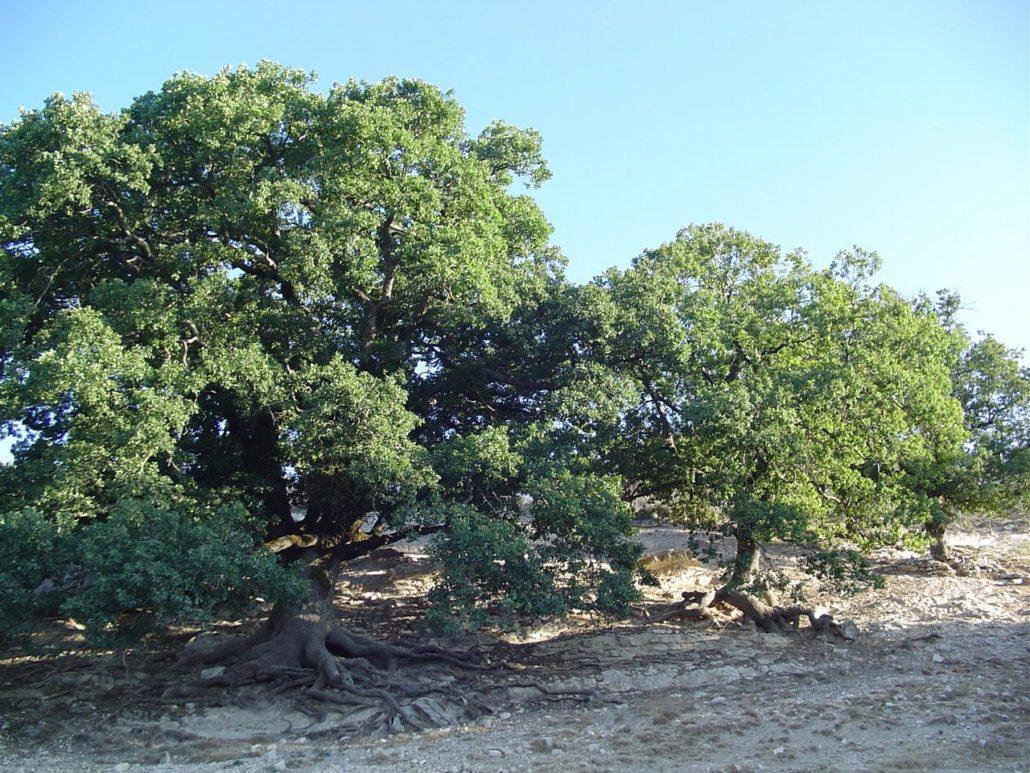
244 294
773 400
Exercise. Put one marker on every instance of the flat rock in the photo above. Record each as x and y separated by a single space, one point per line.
213 672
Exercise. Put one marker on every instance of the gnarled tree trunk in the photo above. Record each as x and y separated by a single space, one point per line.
745 561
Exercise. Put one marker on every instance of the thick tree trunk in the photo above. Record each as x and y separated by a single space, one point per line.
745 561
938 542
303 649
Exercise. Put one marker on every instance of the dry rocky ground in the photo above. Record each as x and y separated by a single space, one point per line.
937 680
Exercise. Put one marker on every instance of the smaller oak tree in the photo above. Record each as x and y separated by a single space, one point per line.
771 401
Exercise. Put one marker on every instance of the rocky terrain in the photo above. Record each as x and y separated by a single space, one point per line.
937 680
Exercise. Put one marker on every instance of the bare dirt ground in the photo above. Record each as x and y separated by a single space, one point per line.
937 680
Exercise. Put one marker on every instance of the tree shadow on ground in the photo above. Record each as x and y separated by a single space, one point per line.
110 702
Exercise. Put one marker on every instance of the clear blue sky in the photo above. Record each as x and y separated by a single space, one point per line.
901 126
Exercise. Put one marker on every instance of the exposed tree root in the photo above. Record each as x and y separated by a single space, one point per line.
770 618
327 670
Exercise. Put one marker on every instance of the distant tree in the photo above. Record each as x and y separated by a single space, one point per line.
243 312
765 400
990 472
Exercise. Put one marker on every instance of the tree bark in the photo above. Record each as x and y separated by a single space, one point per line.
745 561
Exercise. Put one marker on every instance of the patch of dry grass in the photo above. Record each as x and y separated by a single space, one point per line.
669 562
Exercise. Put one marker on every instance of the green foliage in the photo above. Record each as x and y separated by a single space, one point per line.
31 552
241 289
567 547
477 466
773 401
489 566
99 417
205 266
148 564
990 471
615 592
994 389
350 440
580 520
320 305
845 570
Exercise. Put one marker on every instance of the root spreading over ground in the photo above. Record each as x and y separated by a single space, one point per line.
768 618
371 686
936 680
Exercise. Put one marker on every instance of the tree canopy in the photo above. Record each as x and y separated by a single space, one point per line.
990 472
768 400
242 291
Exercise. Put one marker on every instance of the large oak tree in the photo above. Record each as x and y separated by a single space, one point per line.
244 311
249 330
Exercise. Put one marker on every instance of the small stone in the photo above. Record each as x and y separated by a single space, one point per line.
778 751
848 630
213 672
937 658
